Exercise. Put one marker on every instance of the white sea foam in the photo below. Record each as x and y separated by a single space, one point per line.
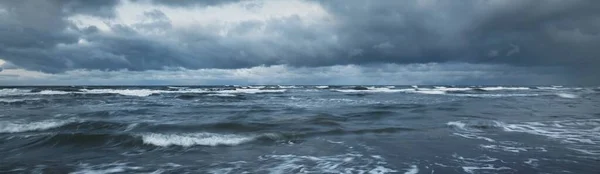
13 91
504 88
568 131
467 130
251 91
345 163
473 165
128 92
442 88
192 139
14 127
51 92
322 87
474 136
532 162
222 95
504 148
473 169
413 170
105 168
371 90
8 100
549 88
388 90
566 95
287 87
494 95
457 124
144 92
421 91
255 87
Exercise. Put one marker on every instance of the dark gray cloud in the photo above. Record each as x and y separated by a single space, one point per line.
37 35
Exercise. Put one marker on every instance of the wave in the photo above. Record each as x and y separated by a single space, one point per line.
202 138
13 92
20 100
222 95
145 92
287 87
251 91
566 95
494 95
498 88
127 92
15 127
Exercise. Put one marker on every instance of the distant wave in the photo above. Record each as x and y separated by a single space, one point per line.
566 95
222 95
504 88
13 91
14 127
142 92
19 100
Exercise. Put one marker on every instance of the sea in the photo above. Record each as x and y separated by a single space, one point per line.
300 129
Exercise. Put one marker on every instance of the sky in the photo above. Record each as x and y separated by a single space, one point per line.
311 42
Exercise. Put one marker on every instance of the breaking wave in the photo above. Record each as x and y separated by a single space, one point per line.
191 139
498 88
566 95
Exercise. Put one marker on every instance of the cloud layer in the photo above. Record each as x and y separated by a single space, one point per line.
555 38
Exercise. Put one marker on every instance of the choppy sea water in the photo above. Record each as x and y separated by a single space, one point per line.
300 129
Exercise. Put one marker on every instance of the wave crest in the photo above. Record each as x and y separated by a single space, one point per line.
192 139
12 127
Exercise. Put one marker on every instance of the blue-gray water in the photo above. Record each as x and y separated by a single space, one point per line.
300 129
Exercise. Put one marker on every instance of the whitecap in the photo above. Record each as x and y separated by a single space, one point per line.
429 91
127 92
13 91
51 92
413 170
457 124
14 127
252 91
322 87
371 90
566 95
495 95
222 95
503 88
442 88
287 87
192 139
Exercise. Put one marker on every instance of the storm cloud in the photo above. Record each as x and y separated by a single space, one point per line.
548 37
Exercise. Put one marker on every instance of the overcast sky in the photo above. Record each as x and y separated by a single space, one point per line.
513 42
